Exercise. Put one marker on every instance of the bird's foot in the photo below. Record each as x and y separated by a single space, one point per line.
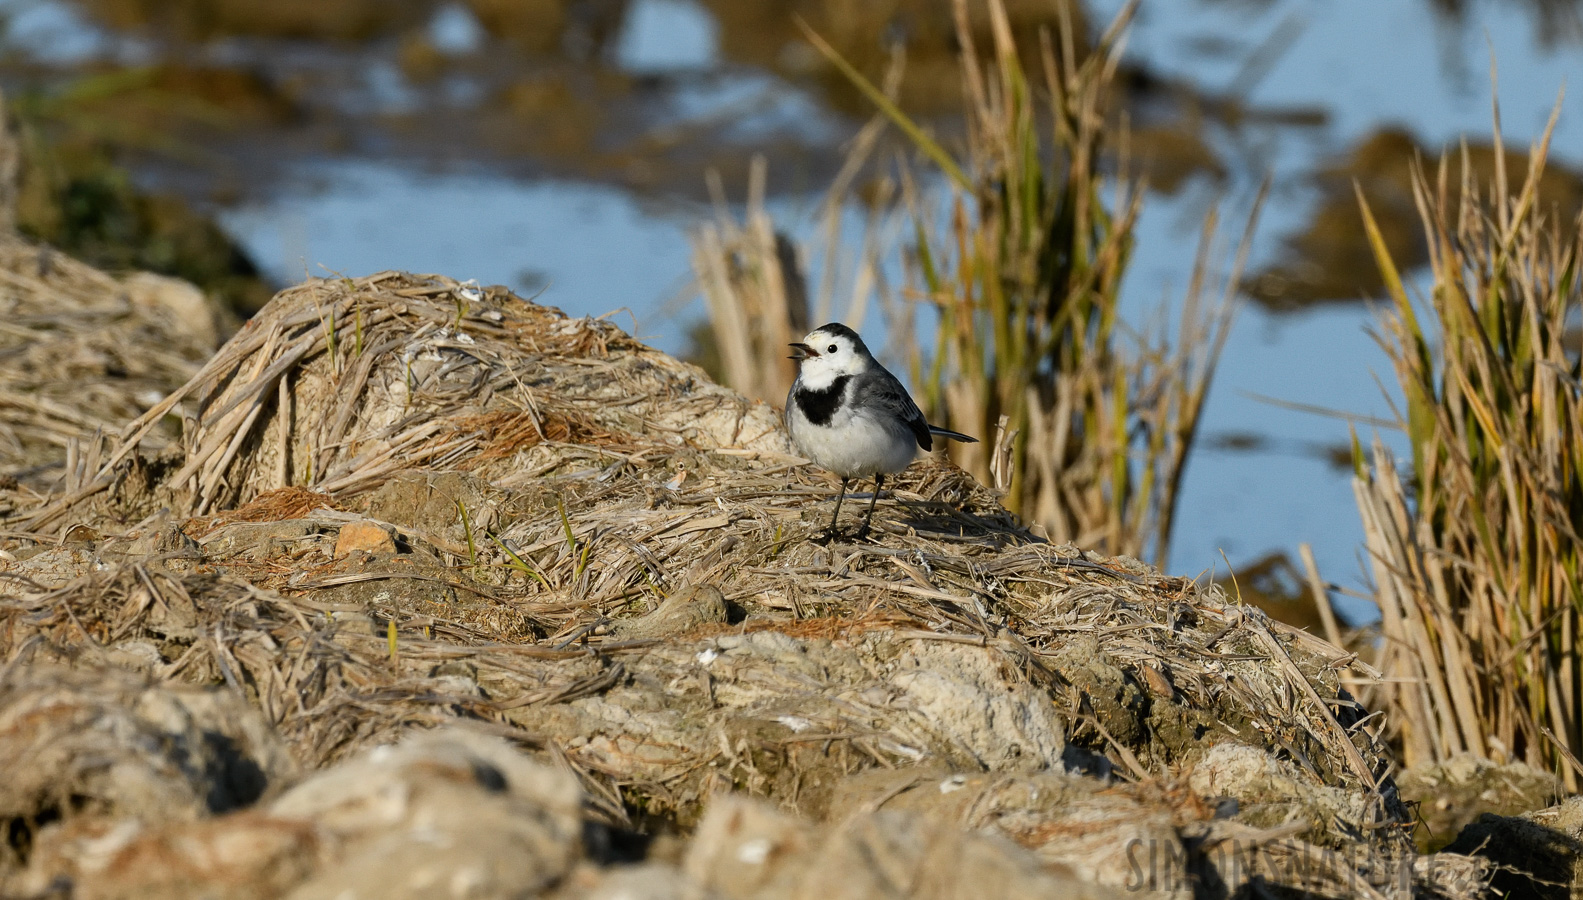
864 532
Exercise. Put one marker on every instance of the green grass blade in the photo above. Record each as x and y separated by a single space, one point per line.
901 120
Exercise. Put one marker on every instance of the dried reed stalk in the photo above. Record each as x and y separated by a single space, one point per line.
1476 549
754 289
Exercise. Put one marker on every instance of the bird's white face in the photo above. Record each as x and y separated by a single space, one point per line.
823 357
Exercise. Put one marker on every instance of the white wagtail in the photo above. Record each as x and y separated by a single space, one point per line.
849 415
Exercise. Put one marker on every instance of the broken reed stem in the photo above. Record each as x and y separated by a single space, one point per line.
1475 549
1317 587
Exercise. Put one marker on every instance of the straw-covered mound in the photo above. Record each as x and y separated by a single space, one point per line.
406 502
83 352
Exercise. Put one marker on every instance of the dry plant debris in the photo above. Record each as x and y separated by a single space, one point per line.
84 353
604 559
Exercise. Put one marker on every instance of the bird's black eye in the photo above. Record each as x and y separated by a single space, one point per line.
830 349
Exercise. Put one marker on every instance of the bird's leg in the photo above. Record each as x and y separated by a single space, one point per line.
878 481
837 515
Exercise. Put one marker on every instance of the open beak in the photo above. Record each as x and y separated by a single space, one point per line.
802 351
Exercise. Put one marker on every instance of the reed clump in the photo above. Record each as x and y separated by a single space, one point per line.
1476 549
1094 420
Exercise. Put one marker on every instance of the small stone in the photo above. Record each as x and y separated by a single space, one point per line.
365 536
692 606
185 306
81 534
1155 680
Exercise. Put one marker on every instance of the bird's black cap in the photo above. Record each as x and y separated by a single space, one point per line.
836 328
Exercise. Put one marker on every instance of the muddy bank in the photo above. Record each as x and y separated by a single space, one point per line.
437 591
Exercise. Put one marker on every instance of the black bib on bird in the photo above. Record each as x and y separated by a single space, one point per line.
819 406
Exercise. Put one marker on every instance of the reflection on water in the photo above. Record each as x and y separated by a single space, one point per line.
1388 78
563 143
1328 260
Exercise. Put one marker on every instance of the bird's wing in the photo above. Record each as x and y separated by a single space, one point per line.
881 393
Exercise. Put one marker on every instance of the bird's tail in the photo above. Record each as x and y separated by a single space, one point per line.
953 435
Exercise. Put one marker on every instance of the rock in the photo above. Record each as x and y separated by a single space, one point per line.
646 881
257 541
1537 856
1104 834
52 567
431 504
973 700
741 845
681 612
364 536
745 850
1452 794
180 302
244 856
1271 792
111 743
448 814
760 710
96 758
442 815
